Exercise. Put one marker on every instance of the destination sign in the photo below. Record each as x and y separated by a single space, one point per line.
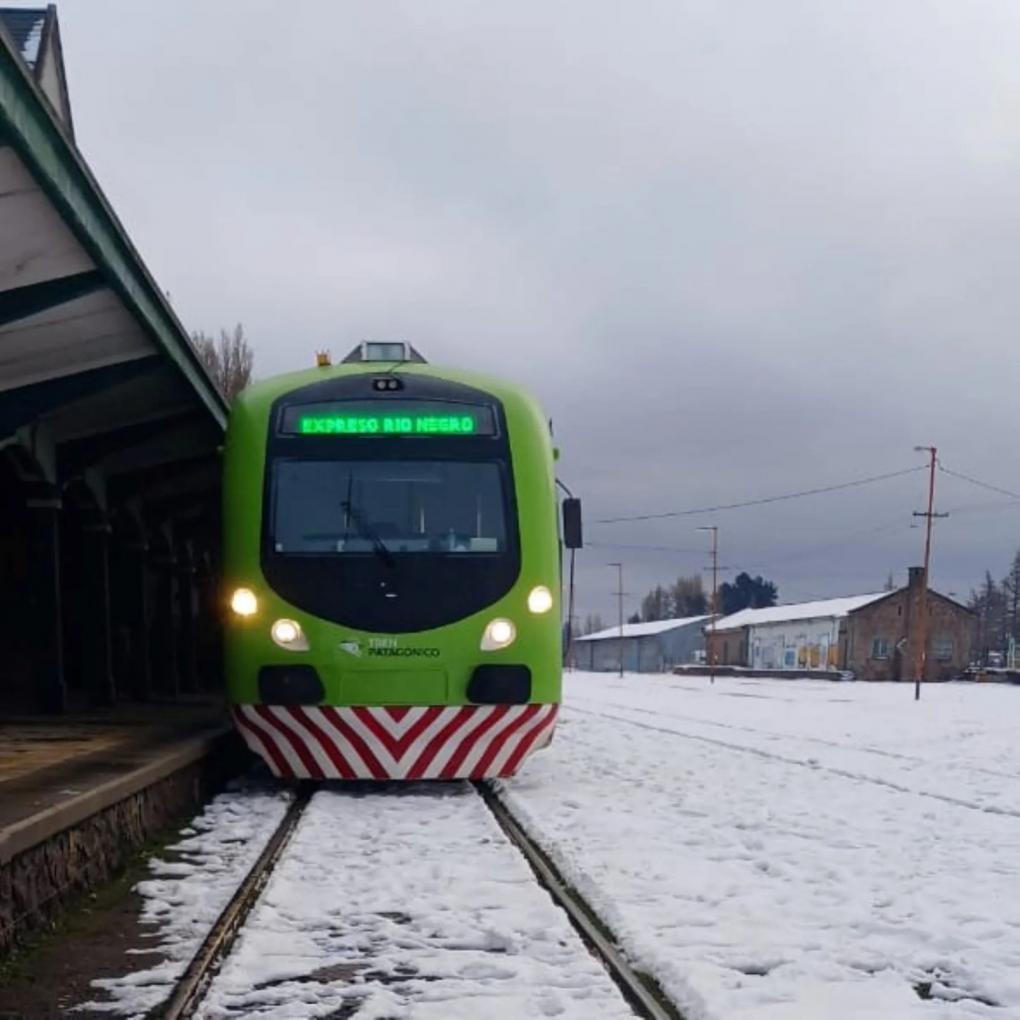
387 418
388 425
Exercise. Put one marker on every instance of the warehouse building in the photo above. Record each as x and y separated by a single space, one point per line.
804 635
652 647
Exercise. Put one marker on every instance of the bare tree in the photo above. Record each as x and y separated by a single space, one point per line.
684 598
688 597
656 605
228 360
989 605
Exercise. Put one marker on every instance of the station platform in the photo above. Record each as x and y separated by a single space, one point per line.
80 794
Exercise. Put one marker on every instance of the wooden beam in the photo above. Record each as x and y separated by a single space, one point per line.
181 443
27 403
22 302
77 455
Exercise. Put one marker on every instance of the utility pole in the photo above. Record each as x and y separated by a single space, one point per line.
715 597
619 596
921 643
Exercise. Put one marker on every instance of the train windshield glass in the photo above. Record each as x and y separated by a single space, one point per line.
388 508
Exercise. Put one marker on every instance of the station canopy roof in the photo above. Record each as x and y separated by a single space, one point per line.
95 367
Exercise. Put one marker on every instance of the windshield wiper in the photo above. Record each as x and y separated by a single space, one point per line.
379 547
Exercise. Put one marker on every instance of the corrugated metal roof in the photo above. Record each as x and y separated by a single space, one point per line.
642 629
798 611
25 27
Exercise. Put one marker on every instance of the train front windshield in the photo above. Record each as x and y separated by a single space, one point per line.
398 508
390 515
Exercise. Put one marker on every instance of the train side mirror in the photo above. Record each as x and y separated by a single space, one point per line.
572 537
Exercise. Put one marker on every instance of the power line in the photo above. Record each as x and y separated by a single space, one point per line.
978 482
977 508
766 499
845 538
815 550
645 548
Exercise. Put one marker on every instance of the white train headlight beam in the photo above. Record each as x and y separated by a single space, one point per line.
499 633
243 602
288 634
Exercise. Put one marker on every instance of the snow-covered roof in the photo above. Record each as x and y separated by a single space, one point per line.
642 629
797 611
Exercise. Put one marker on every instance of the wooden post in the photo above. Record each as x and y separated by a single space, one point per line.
97 649
44 600
136 614
187 631
164 623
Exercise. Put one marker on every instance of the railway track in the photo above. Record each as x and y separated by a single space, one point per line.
644 996
187 993
641 994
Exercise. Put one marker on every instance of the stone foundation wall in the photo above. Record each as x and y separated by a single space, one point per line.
37 884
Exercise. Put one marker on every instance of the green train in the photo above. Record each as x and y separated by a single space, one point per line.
392 555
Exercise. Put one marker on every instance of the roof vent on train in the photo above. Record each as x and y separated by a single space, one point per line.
385 350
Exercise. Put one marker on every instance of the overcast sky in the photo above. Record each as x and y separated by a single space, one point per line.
738 249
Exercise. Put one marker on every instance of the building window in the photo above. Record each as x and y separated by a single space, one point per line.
880 648
942 649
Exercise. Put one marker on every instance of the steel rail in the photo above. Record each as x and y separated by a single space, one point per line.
192 985
641 992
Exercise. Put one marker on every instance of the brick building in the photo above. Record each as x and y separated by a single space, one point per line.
869 635
804 635
880 636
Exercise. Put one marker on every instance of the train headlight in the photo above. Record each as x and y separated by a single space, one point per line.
243 602
288 634
540 599
499 633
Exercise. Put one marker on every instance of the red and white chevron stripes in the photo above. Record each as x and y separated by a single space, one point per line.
395 742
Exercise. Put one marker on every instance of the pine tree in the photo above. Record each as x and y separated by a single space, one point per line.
746 592
1011 593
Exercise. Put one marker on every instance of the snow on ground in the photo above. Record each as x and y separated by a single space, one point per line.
793 850
768 850
191 884
408 903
